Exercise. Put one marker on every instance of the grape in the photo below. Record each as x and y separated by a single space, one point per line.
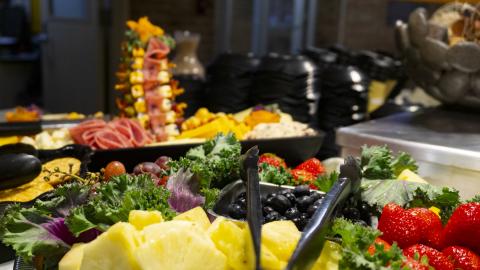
113 168
147 167
162 162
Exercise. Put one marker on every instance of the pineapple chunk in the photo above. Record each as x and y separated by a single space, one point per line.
281 238
73 259
179 245
112 249
231 240
408 175
329 258
269 261
196 215
141 219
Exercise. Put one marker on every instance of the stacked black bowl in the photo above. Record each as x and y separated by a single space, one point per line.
229 80
344 99
289 81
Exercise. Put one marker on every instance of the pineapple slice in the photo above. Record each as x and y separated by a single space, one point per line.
73 259
112 249
179 245
280 237
231 240
196 215
141 219
329 258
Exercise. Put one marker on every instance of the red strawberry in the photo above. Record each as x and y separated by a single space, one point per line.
463 258
302 176
435 257
313 166
398 225
272 159
415 265
379 241
431 225
463 227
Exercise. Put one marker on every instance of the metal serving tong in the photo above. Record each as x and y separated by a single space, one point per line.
249 175
312 240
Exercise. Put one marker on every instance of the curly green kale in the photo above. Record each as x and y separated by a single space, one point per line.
275 175
114 201
447 201
325 182
356 239
215 163
378 162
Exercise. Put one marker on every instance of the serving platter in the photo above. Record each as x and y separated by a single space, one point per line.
294 150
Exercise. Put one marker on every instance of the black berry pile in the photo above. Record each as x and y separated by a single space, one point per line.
298 205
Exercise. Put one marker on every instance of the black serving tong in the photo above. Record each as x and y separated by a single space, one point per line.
249 174
312 240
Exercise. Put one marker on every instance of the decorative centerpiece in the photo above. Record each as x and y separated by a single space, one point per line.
145 80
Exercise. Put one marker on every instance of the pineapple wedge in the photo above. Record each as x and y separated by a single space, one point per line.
269 261
196 215
329 258
112 249
231 240
141 219
408 175
280 237
178 245
73 259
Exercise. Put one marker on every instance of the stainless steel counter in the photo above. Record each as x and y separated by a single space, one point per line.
446 144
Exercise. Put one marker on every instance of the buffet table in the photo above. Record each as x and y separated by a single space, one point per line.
446 144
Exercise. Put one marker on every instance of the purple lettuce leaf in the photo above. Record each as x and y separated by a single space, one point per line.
184 191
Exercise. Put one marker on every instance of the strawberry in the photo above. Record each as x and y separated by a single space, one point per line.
378 241
313 166
272 159
398 225
436 259
302 176
463 227
431 226
463 258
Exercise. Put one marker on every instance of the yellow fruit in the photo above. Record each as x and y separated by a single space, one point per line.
178 245
329 258
281 238
141 219
408 175
230 239
73 259
113 249
269 261
196 215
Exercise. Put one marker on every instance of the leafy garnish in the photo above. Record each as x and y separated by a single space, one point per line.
378 193
114 201
325 182
211 196
275 175
356 239
215 163
184 191
378 162
446 200
474 199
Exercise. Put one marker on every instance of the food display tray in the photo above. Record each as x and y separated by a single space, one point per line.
293 149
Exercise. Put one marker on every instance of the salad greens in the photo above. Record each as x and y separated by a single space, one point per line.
356 239
114 200
325 182
378 162
446 200
40 229
215 163
275 175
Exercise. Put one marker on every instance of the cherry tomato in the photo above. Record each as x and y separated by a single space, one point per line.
114 168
